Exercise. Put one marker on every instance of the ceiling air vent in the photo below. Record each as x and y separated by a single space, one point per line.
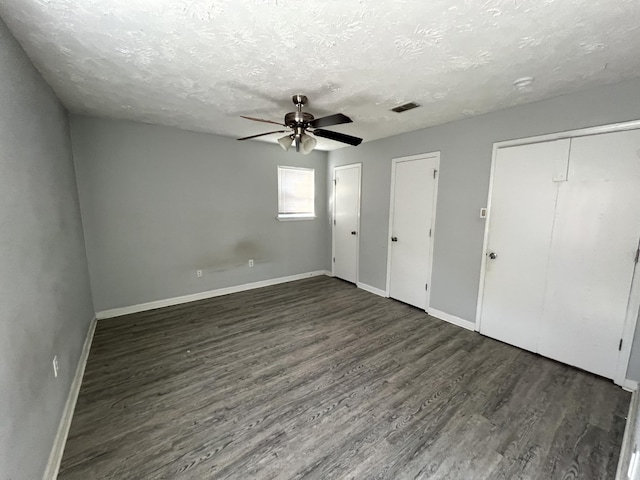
405 107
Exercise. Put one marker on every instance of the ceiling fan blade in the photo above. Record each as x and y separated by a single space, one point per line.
335 119
339 137
262 120
262 134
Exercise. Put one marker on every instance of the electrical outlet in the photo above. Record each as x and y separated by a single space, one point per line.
251 262
55 366
199 273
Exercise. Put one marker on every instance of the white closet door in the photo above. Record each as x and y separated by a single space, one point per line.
592 259
521 211
346 222
412 213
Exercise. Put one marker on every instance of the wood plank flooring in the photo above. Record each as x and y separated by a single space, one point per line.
316 379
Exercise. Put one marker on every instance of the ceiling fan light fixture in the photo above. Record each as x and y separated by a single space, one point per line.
285 142
307 144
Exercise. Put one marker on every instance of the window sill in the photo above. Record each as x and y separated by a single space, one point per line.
292 218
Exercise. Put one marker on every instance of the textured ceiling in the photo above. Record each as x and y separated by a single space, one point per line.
199 64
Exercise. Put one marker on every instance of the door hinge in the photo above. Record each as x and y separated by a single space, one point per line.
334 221
434 173
335 181
334 259
426 287
429 232
637 255
620 345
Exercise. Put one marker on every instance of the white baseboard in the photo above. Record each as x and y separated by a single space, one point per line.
460 322
117 312
630 385
371 289
55 457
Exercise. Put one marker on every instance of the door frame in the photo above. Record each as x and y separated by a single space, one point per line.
633 305
333 217
394 163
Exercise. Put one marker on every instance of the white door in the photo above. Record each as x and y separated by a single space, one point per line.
593 250
561 248
412 215
521 212
346 219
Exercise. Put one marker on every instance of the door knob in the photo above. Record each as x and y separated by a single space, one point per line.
493 255
353 232
394 239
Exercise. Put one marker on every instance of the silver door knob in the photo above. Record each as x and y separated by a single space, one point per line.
493 255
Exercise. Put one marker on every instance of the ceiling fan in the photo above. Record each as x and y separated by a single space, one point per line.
301 124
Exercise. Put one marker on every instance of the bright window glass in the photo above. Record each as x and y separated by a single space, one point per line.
296 193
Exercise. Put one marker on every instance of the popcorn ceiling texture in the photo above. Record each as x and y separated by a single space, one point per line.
199 64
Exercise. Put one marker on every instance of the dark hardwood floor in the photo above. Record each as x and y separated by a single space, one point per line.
316 379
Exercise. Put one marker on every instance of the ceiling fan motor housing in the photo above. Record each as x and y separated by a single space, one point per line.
293 119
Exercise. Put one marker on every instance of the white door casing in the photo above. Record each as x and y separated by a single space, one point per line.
346 221
414 183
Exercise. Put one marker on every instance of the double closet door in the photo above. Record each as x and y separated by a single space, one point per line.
561 248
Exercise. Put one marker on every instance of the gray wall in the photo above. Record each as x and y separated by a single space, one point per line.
45 301
158 203
466 148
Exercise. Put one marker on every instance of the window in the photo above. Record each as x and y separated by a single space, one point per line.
296 193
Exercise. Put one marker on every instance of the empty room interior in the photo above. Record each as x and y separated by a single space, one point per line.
319 240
